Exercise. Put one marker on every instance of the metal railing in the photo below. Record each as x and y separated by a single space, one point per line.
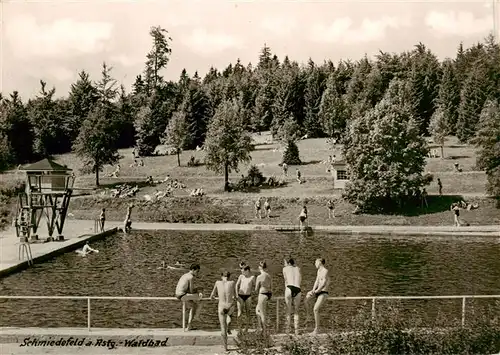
373 300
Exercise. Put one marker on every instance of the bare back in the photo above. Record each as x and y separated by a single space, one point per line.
225 292
292 276
263 283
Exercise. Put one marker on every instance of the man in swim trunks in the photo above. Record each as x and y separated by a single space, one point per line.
292 276
185 292
102 219
244 287
226 292
331 208
267 207
303 218
127 223
258 212
263 289
319 292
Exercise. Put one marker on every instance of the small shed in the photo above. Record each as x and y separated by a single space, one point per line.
340 175
47 176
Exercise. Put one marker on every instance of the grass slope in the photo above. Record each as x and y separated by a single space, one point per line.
220 207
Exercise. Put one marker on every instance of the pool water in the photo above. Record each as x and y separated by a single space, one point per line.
359 266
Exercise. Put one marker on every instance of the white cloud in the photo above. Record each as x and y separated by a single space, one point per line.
458 23
125 60
279 26
61 73
343 31
62 38
202 42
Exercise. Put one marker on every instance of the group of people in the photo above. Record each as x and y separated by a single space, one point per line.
127 223
237 295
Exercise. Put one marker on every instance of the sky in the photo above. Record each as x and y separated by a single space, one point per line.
54 40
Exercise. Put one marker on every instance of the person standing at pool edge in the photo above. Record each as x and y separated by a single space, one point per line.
244 287
226 292
102 219
292 276
263 289
319 292
127 223
186 292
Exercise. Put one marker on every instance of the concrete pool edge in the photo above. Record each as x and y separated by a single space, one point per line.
74 243
471 231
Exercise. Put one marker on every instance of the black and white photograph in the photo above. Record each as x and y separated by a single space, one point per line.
249 177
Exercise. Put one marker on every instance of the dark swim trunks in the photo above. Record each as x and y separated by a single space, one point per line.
179 297
295 290
302 218
244 297
268 294
320 293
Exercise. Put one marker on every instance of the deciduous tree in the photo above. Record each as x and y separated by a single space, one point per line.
385 154
227 143
439 129
176 133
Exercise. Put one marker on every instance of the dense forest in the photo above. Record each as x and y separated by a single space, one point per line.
320 99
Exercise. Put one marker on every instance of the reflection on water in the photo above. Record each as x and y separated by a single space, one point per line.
129 266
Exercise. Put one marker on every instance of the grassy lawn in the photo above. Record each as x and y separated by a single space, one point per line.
267 157
219 207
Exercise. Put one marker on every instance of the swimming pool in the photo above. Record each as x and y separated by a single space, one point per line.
360 266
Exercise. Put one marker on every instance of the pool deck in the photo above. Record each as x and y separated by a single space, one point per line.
482 231
77 232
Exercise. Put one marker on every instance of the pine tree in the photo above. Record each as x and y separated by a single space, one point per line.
196 107
472 99
448 98
16 126
288 134
96 143
47 127
263 109
83 96
488 142
157 58
314 88
6 154
126 117
425 78
332 110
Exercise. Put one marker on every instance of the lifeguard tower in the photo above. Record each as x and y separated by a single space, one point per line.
48 191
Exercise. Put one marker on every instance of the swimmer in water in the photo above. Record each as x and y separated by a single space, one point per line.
87 249
244 287
263 289
293 278
225 290
319 292
186 292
